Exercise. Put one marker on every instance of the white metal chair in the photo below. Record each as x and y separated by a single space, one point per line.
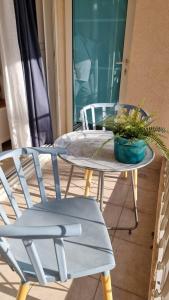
53 240
92 116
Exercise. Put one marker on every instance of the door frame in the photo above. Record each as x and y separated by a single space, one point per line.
127 48
61 64
125 62
64 55
69 63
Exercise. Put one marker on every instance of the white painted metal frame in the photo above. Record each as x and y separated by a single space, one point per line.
159 283
93 125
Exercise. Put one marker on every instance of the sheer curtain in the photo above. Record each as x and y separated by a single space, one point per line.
15 93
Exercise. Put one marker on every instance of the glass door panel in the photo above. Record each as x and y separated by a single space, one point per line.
98 40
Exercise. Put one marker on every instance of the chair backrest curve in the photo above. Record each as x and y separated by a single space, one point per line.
16 155
88 113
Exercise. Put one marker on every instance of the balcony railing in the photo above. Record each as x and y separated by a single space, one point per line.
159 285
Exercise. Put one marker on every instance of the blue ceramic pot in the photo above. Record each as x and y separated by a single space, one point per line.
127 152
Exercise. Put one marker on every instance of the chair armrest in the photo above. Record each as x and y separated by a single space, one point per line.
40 232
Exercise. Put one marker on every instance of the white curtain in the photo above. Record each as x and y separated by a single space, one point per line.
45 22
54 30
15 93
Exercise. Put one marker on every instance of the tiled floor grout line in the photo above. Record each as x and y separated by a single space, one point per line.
127 207
119 217
134 243
96 289
127 291
123 239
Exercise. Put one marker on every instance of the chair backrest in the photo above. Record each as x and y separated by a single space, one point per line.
91 115
33 153
27 234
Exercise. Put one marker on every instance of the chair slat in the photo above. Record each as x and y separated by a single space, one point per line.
61 259
9 193
56 177
82 118
35 260
39 176
4 215
103 115
86 120
93 118
23 182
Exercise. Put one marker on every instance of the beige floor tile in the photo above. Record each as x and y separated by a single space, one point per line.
148 179
125 181
143 234
111 214
50 291
118 294
147 201
82 289
155 164
9 283
119 194
132 267
76 189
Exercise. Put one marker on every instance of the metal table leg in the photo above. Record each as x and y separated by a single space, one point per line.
69 180
98 189
135 197
101 190
134 186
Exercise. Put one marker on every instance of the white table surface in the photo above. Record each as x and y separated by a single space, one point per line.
82 146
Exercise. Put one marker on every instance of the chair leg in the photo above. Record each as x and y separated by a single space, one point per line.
69 180
88 182
106 285
86 174
125 174
23 291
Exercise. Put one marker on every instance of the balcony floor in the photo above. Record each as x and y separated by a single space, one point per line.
130 278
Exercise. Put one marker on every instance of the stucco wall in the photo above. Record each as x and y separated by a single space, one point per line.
148 73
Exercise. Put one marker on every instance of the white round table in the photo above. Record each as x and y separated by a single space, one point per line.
84 150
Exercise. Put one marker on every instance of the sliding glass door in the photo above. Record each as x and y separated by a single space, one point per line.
98 41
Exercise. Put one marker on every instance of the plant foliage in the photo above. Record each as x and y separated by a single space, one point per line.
133 125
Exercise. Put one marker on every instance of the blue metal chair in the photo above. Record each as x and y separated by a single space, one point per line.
53 240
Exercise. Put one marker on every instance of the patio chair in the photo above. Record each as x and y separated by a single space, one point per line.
54 239
91 116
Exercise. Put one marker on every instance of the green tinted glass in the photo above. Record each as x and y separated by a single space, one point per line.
98 39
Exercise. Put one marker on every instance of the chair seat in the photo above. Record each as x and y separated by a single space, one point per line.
87 254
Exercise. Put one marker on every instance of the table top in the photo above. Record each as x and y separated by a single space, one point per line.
82 151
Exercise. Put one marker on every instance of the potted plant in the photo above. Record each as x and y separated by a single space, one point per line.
132 132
